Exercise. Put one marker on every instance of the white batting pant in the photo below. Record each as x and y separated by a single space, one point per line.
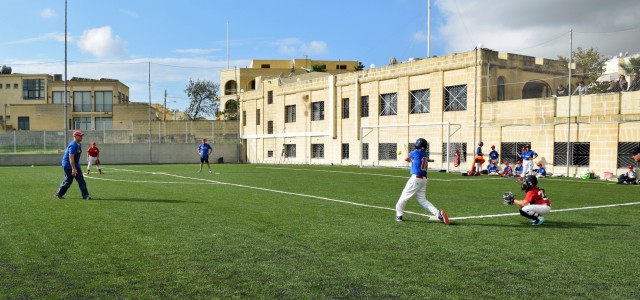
418 187
92 161
536 209
527 168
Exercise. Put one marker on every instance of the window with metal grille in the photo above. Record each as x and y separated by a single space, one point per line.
501 85
412 146
578 154
365 151
420 101
625 151
104 101
82 102
345 151
82 123
511 151
244 118
270 153
290 150
345 108
269 127
290 114
364 106
317 150
455 98
269 97
257 117
387 151
460 147
32 89
389 104
317 111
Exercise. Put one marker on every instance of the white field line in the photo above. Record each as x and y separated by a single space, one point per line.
372 206
143 181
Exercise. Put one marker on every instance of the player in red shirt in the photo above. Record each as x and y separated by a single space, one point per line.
93 157
535 203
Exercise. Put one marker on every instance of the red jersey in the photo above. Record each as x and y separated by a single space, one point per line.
537 196
93 151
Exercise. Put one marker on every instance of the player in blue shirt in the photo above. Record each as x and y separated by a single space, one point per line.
528 156
493 155
492 169
540 172
479 159
417 183
71 167
518 169
204 150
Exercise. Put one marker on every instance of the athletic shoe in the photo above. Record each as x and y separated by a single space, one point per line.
199 171
442 216
58 196
87 197
399 218
537 222
100 171
209 171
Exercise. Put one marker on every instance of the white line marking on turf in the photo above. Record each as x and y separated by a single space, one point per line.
553 211
143 181
348 172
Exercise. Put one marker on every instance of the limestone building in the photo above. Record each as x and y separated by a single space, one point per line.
361 117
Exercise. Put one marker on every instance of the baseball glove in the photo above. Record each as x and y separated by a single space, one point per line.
508 198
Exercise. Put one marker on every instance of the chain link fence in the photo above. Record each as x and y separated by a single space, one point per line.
138 132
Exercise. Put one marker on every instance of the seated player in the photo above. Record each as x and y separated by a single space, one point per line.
540 172
492 169
518 169
507 171
629 177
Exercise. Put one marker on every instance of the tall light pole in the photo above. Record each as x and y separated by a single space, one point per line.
569 112
475 96
429 28
66 93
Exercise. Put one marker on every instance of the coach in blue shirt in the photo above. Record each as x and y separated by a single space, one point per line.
71 167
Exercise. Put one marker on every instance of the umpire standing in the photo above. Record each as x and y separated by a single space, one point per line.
71 167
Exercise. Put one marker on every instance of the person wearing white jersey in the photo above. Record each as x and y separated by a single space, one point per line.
528 156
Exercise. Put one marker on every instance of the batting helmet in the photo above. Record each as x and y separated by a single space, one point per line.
529 181
481 144
421 144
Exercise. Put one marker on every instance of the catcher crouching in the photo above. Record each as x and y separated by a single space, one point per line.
535 203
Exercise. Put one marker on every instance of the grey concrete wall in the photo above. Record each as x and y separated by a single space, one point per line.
111 154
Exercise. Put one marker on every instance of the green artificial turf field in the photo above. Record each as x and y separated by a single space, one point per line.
309 232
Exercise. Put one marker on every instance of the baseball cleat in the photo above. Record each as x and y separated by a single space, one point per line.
442 215
87 197
399 218
58 196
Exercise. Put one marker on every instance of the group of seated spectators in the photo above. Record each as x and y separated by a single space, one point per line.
507 171
629 177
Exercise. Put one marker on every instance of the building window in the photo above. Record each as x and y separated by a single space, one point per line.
364 106
420 101
244 118
82 123
387 151
460 147
257 117
58 97
270 153
317 111
23 123
345 108
269 127
455 98
265 66
365 151
500 91
389 104
289 150
270 97
104 102
511 151
8 86
32 89
15 86
578 154
625 151
341 67
82 102
290 114
345 151
317 150
104 123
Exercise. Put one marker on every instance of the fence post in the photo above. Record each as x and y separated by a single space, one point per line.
131 132
44 137
186 131
14 141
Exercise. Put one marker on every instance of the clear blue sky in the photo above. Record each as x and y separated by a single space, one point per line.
187 39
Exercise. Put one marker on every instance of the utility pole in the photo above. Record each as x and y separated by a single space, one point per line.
164 112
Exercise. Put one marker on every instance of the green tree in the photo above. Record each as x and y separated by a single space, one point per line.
633 65
319 68
589 66
231 110
204 99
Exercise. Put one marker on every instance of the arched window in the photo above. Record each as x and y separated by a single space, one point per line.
230 87
536 89
500 86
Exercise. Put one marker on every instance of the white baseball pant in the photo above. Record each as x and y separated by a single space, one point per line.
415 187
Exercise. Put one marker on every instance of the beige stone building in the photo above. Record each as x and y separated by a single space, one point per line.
454 101
36 102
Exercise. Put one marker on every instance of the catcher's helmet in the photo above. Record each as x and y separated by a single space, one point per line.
529 181
480 144
421 144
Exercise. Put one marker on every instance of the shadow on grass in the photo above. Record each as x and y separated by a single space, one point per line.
547 224
143 200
